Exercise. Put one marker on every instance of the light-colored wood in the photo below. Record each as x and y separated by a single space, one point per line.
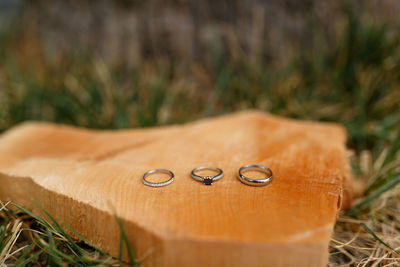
77 174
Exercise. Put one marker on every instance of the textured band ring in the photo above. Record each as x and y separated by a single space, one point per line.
148 183
255 182
207 180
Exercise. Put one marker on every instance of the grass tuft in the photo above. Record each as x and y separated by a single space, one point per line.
352 79
27 239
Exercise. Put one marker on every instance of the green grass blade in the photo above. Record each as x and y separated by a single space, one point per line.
366 228
121 246
41 221
71 243
28 261
394 149
386 187
25 252
75 255
86 241
124 238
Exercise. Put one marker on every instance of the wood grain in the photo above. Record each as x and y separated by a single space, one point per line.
78 174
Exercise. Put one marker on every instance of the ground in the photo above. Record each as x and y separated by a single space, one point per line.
353 80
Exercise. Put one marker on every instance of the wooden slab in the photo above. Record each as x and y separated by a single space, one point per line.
76 174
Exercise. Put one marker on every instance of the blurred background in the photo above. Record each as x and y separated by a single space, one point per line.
119 64
122 64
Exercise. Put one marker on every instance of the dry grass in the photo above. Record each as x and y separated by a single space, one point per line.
353 79
370 236
26 239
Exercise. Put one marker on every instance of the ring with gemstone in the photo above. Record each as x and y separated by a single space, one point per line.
153 184
207 180
255 182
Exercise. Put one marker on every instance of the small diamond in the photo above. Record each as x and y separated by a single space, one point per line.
208 180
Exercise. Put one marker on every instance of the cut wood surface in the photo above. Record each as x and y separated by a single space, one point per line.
77 175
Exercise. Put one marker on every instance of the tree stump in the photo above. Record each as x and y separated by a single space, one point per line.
78 174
